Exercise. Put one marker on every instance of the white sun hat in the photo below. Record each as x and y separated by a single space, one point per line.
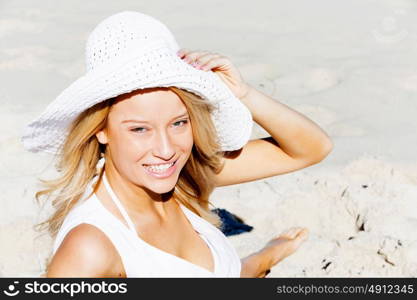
128 51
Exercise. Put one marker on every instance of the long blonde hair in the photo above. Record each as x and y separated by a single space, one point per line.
78 157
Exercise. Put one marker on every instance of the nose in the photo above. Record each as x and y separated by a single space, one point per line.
163 146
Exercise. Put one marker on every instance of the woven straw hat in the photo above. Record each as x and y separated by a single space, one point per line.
128 51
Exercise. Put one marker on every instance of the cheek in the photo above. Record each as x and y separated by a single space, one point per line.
187 150
125 149
188 141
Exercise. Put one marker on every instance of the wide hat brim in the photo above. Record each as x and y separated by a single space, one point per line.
156 65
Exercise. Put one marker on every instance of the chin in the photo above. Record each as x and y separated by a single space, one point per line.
161 188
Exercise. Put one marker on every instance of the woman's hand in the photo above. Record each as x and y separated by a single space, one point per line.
259 264
220 65
284 245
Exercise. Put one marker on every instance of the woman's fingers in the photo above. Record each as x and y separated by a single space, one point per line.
303 234
293 232
183 52
200 59
220 65
208 62
189 55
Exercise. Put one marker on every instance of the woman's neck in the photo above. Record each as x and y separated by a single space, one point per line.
136 200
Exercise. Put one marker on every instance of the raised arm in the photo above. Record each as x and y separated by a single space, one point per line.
296 142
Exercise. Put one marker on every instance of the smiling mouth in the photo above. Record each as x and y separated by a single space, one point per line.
164 172
161 168
156 165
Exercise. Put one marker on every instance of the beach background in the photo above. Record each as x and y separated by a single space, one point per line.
350 66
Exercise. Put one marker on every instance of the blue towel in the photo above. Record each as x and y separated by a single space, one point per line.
231 223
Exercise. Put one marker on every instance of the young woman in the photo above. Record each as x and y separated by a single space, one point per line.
142 141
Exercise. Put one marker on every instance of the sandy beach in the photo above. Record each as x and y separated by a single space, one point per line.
348 65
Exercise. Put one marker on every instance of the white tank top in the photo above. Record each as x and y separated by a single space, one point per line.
140 259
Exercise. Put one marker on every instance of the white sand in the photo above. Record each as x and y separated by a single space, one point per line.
348 65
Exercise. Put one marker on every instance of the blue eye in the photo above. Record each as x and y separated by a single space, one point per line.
185 121
137 129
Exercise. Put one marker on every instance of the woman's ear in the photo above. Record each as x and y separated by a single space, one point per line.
102 137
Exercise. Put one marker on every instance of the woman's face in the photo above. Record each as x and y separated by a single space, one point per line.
149 138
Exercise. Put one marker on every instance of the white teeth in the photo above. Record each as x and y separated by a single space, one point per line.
159 168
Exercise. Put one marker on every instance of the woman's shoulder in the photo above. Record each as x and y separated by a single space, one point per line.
82 247
85 252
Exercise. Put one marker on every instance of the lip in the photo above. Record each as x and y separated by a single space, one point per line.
163 163
168 172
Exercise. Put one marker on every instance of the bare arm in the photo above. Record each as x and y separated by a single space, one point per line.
295 143
297 135
255 265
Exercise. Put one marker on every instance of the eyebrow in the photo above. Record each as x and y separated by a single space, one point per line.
144 121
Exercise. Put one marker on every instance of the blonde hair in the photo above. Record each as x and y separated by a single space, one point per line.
79 154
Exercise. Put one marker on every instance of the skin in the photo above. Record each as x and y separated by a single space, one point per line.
296 142
259 263
166 136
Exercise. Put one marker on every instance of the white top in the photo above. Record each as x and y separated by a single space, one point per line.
140 259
